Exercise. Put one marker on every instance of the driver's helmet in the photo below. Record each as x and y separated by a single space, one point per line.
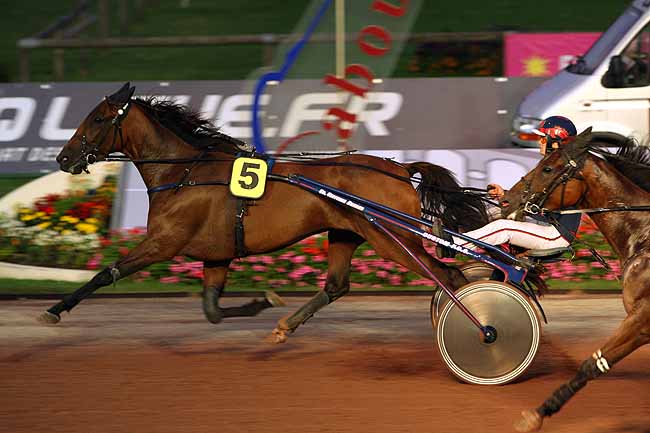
556 129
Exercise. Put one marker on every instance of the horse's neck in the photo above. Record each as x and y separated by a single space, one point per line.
627 232
148 140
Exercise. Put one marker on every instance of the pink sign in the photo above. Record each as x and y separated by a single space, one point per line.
543 54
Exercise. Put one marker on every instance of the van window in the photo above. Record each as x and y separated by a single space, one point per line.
603 47
635 62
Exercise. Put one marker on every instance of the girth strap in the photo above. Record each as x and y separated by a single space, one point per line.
242 210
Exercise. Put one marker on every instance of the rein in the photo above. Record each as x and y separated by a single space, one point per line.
300 159
596 210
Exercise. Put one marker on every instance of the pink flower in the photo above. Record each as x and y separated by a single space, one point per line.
267 260
177 268
170 280
259 268
298 259
196 273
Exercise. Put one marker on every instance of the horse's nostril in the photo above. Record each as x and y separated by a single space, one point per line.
65 159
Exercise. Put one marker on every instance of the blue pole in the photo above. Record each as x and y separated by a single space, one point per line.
258 135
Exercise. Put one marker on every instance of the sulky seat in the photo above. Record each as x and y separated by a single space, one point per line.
548 255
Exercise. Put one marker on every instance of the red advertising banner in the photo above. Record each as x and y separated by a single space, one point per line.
543 54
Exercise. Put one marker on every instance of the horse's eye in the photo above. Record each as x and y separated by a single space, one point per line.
99 119
547 169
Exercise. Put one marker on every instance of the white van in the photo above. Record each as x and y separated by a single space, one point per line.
607 88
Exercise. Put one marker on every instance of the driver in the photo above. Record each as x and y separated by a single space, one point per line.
531 235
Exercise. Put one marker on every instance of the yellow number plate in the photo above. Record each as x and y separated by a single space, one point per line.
248 178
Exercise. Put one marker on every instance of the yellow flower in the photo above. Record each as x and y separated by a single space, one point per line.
69 219
66 232
86 228
43 226
91 221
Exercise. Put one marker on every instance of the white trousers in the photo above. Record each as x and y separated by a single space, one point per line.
520 233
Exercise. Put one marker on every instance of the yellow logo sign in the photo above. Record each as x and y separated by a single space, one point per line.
536 66
248 178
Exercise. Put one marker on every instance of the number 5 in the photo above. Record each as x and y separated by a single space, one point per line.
248 178
245 174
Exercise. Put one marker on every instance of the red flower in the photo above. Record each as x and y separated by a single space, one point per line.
123 251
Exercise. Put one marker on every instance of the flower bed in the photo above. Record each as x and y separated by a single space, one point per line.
71 231
59 230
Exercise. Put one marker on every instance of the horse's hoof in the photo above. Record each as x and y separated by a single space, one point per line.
530 421
278 336
274 299
48 318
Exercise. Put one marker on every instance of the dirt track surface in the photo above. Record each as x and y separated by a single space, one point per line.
364 364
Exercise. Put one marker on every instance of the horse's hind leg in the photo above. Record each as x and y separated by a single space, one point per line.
342 245
214 280
633 333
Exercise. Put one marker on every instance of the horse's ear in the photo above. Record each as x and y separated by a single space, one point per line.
122 96
586 132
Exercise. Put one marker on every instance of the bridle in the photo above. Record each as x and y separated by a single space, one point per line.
90 150
534 201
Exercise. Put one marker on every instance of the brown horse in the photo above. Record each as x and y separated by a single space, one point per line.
186 165
614 189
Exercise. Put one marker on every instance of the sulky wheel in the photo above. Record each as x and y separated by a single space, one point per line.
473 271
502 307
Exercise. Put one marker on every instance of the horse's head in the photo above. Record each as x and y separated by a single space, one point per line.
556 182
99 134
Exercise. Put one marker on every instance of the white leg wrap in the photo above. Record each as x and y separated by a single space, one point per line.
601 362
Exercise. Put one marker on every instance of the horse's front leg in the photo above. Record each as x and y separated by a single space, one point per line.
149 251
214 280
633 333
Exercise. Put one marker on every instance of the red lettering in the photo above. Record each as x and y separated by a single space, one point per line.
389 9
372 49
343 116
359 70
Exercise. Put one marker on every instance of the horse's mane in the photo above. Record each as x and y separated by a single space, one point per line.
189 125
631 159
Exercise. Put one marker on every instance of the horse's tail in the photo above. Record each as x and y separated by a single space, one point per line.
443 198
